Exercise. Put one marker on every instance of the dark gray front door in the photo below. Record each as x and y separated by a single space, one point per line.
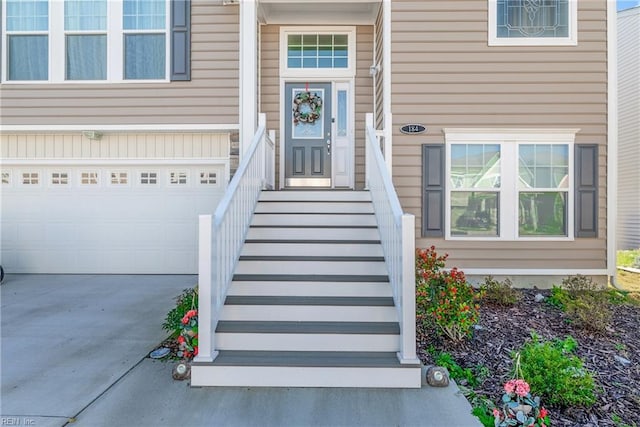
307 134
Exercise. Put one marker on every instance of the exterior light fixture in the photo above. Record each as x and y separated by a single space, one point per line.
93 135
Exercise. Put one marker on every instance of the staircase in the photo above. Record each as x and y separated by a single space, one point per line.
310 303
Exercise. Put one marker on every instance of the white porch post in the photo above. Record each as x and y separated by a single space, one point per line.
205 339
386 84
248 103
408 337
368 120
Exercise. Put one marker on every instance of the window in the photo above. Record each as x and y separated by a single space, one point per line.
178 178
328 51
59 178
27 29
88 40
85 25
89 178
6 178
509 186
30 178
208 178
148 178
533 22
119 178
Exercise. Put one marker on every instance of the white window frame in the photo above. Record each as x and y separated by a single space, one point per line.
89 184
60 184
115 46
323 73
571 40
9 176
118 184
30 171
510 141
207 172
178 172
146 184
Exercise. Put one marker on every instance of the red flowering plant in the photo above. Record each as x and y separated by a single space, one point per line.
519 408
444 297
188 338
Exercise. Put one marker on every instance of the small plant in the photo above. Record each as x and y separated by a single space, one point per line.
519 408
187 300
464 376
188 338
590 311
558 297
580 284
555 373
617 420
499 292
444 297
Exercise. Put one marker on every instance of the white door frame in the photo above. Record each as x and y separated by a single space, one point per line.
336 84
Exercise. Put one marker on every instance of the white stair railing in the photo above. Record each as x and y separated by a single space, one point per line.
221 238
397 234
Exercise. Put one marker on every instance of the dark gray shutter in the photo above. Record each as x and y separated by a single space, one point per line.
433 190
181 40
586 173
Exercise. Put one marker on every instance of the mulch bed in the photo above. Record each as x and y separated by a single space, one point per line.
504 329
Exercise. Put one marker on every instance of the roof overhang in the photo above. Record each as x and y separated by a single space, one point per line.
318 12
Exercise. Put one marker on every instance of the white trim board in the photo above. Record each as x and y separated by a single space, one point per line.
122 128
533 272
612 136
96 162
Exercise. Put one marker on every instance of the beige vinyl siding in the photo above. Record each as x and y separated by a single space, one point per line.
211 97
115 146
270 88
629 129
378 80
444 75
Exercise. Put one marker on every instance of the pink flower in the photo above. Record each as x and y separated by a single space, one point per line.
180 339
522 388
496 413
510 386
543 412
185 320
191 313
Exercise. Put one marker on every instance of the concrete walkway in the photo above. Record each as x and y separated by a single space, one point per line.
73 353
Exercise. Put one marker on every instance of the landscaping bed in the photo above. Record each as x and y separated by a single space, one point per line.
612 356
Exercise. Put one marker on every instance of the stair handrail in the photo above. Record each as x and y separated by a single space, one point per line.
397 236
221 238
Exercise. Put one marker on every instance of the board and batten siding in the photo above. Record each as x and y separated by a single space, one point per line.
211 97
628 227
444 75
115 146
270 88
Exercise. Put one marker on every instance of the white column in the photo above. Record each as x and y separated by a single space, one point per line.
408 328
248 102
386 84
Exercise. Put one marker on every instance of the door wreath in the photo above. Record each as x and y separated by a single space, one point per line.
313 103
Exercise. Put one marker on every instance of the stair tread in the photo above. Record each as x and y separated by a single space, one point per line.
343 328
309 278
310 300
311 258
308 359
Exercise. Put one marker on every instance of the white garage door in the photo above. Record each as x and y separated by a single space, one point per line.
105 219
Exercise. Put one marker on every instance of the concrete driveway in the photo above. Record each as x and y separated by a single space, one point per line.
67 338
74 353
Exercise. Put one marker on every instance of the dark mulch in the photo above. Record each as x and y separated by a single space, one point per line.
506 329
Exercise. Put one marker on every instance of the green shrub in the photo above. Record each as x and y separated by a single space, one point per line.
186 301
463 376
499 293
444 297
579 284
555 373
590 311
558 297
484 415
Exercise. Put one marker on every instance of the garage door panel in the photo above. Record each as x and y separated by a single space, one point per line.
104 228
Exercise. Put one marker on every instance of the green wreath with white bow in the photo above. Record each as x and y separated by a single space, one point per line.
312 101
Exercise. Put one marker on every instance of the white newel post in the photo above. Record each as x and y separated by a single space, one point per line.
204 290
408 345
272 160
262 121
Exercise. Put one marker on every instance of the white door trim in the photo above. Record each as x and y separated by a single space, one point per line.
348 83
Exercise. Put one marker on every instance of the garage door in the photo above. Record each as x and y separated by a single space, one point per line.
135 219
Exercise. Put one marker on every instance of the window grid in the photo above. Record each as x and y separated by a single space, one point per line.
59 178
144 27
85 25
6 178
27 24
148 178
317 51
30 178
119 178
89 178
532 18
207 178
178 177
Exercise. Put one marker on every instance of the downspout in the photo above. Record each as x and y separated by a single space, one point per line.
612 139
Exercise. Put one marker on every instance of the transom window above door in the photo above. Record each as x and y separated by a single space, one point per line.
323 52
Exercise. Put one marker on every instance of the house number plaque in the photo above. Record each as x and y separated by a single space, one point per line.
412 129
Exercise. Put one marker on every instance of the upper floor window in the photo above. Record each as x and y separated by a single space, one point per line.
533 22
99 40
325 51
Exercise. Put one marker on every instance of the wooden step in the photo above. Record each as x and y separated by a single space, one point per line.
312 249
346 207
314 220
313 234
310 288
316 195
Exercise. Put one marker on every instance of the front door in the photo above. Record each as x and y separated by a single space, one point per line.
307 134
